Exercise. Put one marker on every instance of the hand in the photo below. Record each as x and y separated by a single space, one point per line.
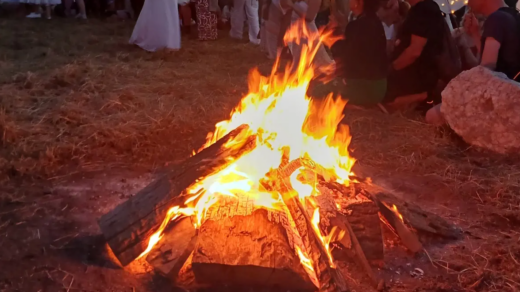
471 25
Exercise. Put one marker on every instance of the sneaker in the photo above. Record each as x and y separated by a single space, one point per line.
34 15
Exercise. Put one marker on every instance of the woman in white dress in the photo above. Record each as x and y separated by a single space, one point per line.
158 26
37 6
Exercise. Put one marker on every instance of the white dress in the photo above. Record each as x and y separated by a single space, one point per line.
39 2
158 26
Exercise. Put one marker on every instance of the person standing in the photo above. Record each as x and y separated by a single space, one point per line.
242 10
158 26
304 13
81 6
36 5
207 19
271 30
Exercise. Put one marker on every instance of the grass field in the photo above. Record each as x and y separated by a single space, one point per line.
76 98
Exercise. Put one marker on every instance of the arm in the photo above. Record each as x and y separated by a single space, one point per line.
411 53
490 53
470 58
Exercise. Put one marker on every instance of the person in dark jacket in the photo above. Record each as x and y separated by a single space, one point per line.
361 57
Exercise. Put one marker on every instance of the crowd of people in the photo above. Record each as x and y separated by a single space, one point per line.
394 53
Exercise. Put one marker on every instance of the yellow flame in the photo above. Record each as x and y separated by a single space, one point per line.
325 240
304 260
172 214
394 208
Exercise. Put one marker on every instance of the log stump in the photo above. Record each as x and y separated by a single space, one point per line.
248 250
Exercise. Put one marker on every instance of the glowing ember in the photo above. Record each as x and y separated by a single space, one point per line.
284 120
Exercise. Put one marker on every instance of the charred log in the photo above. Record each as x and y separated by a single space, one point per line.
419 219
128 227
366 225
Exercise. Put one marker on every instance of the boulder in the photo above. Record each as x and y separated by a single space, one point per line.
483 107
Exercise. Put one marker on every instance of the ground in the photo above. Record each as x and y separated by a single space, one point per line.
87 121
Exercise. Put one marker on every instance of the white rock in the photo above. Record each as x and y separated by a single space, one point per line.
483 107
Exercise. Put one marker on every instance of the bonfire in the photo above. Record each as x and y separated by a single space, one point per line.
268 197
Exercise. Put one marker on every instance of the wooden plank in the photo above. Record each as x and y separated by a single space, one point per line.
128 227
248 251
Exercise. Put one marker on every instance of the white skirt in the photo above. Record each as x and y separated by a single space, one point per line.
158 26
41 2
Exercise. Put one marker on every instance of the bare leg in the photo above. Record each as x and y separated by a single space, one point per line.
48 11
82 12
434 116
186 18
407 101
68 5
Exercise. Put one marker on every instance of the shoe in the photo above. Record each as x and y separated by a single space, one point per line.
34 15
81 16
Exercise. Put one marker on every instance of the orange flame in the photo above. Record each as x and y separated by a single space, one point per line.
325 240
394 208
281 116
304 260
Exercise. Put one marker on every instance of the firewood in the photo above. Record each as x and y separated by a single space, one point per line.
328 278
172 251
343 223
185 279
419 219
408 238
366 225
366 237
128 227
247 251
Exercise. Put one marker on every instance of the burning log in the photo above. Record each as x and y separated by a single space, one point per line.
248 250
328 278
128 227
366 225
419 219
170 254
408 238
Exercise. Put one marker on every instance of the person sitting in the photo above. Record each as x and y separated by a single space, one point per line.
389 15
414 71
498 45
361 57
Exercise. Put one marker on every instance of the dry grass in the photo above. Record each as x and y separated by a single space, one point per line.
75 97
